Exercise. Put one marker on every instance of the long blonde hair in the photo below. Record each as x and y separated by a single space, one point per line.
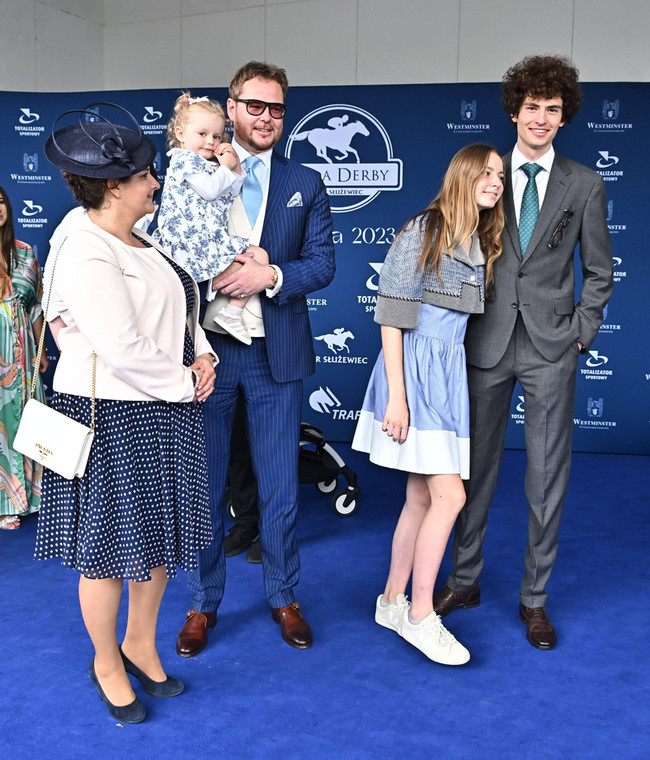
453 215
181 115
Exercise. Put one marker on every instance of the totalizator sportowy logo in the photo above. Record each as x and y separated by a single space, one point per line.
352 152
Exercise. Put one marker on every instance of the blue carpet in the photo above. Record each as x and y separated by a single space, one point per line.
361 692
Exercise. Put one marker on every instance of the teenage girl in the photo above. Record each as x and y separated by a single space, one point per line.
415 414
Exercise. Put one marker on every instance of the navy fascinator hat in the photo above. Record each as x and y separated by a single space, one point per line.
95 147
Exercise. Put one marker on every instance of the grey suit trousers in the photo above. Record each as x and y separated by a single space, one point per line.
549 392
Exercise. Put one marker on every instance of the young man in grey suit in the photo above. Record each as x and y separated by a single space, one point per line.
533 332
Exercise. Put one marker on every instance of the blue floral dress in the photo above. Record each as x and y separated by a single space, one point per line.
192 228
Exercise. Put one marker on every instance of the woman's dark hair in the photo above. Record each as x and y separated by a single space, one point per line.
89 192
7 235
542 76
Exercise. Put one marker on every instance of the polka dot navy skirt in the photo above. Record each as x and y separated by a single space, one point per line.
143 501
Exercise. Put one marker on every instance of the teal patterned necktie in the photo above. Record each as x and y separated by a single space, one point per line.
529 206
251 192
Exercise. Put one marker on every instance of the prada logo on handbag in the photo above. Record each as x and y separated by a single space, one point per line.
42 427
43 451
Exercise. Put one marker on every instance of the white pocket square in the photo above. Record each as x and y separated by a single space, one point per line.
295 200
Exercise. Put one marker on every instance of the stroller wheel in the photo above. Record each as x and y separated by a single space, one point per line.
327 486
344 503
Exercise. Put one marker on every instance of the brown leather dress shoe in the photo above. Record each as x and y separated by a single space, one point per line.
447 600
193 637
295 629
539 629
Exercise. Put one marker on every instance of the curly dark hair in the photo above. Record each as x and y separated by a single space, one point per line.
87 191
542 76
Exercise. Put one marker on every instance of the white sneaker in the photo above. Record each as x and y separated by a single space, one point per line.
432 638
392 615
233 326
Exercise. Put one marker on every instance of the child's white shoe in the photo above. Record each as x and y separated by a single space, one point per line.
233 326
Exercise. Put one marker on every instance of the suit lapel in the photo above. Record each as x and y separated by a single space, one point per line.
277 182
511 228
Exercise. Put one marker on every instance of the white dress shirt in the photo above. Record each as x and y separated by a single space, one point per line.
519 178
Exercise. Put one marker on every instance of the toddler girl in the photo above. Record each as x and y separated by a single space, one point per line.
204 175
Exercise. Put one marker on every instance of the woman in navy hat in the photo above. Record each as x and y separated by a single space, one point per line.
142 506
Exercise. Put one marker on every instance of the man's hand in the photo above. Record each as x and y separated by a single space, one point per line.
248 279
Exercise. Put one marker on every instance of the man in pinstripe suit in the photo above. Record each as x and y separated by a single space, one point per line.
294 226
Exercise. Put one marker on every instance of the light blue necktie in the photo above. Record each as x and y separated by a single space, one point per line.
251 192
529 206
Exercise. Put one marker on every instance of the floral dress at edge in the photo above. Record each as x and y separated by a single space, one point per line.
20 307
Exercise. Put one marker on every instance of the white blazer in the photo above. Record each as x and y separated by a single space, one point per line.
128 305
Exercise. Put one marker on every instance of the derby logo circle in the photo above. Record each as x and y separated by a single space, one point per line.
352 152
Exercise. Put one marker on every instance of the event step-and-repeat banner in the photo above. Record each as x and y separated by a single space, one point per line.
382 151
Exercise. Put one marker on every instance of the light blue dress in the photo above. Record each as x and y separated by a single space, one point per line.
435 379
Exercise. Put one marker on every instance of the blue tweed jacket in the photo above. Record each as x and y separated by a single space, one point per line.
403 287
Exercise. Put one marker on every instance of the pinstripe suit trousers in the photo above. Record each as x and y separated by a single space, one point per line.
273 410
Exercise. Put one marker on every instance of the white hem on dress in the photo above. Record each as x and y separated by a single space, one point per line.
426 452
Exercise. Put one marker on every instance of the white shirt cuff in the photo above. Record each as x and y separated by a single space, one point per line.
270 292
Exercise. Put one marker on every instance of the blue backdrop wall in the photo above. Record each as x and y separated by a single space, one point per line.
382 151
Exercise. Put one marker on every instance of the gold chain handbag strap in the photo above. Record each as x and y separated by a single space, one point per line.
41 345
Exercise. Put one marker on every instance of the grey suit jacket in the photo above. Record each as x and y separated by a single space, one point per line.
542 285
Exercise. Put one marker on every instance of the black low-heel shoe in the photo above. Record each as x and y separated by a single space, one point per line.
172 687
132 713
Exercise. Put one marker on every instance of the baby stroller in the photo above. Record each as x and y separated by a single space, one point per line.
319 464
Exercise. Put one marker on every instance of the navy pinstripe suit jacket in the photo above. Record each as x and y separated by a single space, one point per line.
298 238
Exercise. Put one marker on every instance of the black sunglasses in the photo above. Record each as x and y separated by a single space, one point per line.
257 107
556 237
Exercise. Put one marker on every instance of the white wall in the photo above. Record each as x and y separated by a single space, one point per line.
67 45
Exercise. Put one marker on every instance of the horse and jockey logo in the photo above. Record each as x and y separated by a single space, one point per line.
336 340
337 136
352 152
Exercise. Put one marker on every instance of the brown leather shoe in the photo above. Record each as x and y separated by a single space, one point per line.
193 637
447 600
295 629
539 629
